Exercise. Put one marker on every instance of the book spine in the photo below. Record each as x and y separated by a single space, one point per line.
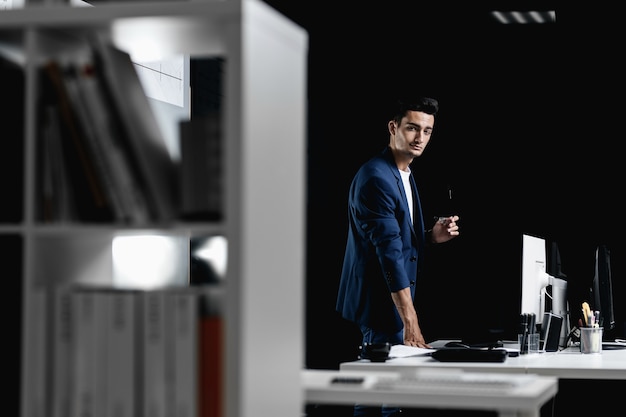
186 329
157 388
143 140
108 134
91 200
97 153
38 369
126 353
63 349
201 168
211 345
90 365
122 354
55 191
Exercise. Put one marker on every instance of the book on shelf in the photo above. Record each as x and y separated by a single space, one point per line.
98 154
123 354
96 352
120 168
211 355
143 140
90 356
185 335
108 136
190 368
90 199
62 350
56 200
201 175
132 353
37 369
157 365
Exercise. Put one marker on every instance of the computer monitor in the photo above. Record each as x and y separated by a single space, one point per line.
534 278
602 290
535 283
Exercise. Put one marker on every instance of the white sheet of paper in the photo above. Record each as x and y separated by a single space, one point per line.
403 351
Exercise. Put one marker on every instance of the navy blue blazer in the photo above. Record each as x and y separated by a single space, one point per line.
383 249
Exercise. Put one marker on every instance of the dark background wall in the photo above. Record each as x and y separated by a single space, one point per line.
522 140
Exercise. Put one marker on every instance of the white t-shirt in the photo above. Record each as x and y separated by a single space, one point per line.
407 189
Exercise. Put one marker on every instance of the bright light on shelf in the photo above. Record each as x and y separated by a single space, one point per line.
150 261
214 250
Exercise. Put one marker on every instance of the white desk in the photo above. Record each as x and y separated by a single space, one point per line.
569 363
525 400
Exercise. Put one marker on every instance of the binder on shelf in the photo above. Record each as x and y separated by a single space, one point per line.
201 178
185 335
90 360
89 195
94 146
123 354
107 134
129 353
143 141
62 350
211 355
38 352
157 362
56 199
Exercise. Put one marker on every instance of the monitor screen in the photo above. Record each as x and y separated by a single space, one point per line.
541 290
534 276
603 288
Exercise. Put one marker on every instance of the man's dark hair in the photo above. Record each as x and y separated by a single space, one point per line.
423 104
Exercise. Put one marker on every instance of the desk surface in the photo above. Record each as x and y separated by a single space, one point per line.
524 400
568 363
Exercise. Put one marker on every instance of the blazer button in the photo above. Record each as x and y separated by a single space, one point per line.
413 258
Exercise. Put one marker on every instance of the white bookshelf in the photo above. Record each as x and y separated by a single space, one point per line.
264 122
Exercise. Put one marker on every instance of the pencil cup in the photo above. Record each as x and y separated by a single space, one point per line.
530 345
591 339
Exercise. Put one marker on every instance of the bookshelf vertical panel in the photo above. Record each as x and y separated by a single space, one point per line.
263 183
271 205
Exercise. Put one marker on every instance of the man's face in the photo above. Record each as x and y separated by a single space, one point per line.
411 137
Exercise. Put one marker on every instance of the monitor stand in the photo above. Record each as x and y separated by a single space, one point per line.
559 307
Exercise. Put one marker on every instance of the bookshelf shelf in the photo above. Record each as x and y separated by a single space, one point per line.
263 158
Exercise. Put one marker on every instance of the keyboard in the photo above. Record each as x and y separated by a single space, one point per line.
453 380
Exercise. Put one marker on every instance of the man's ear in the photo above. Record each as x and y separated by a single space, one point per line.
391 126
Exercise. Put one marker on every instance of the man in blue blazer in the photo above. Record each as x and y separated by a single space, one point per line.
386 234
386 238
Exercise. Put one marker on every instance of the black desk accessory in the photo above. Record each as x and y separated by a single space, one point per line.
376 352
490 344
461 354
551 331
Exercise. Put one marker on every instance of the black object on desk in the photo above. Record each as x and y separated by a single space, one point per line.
613 345
376 352
551 331
482 336
475 344
460 354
